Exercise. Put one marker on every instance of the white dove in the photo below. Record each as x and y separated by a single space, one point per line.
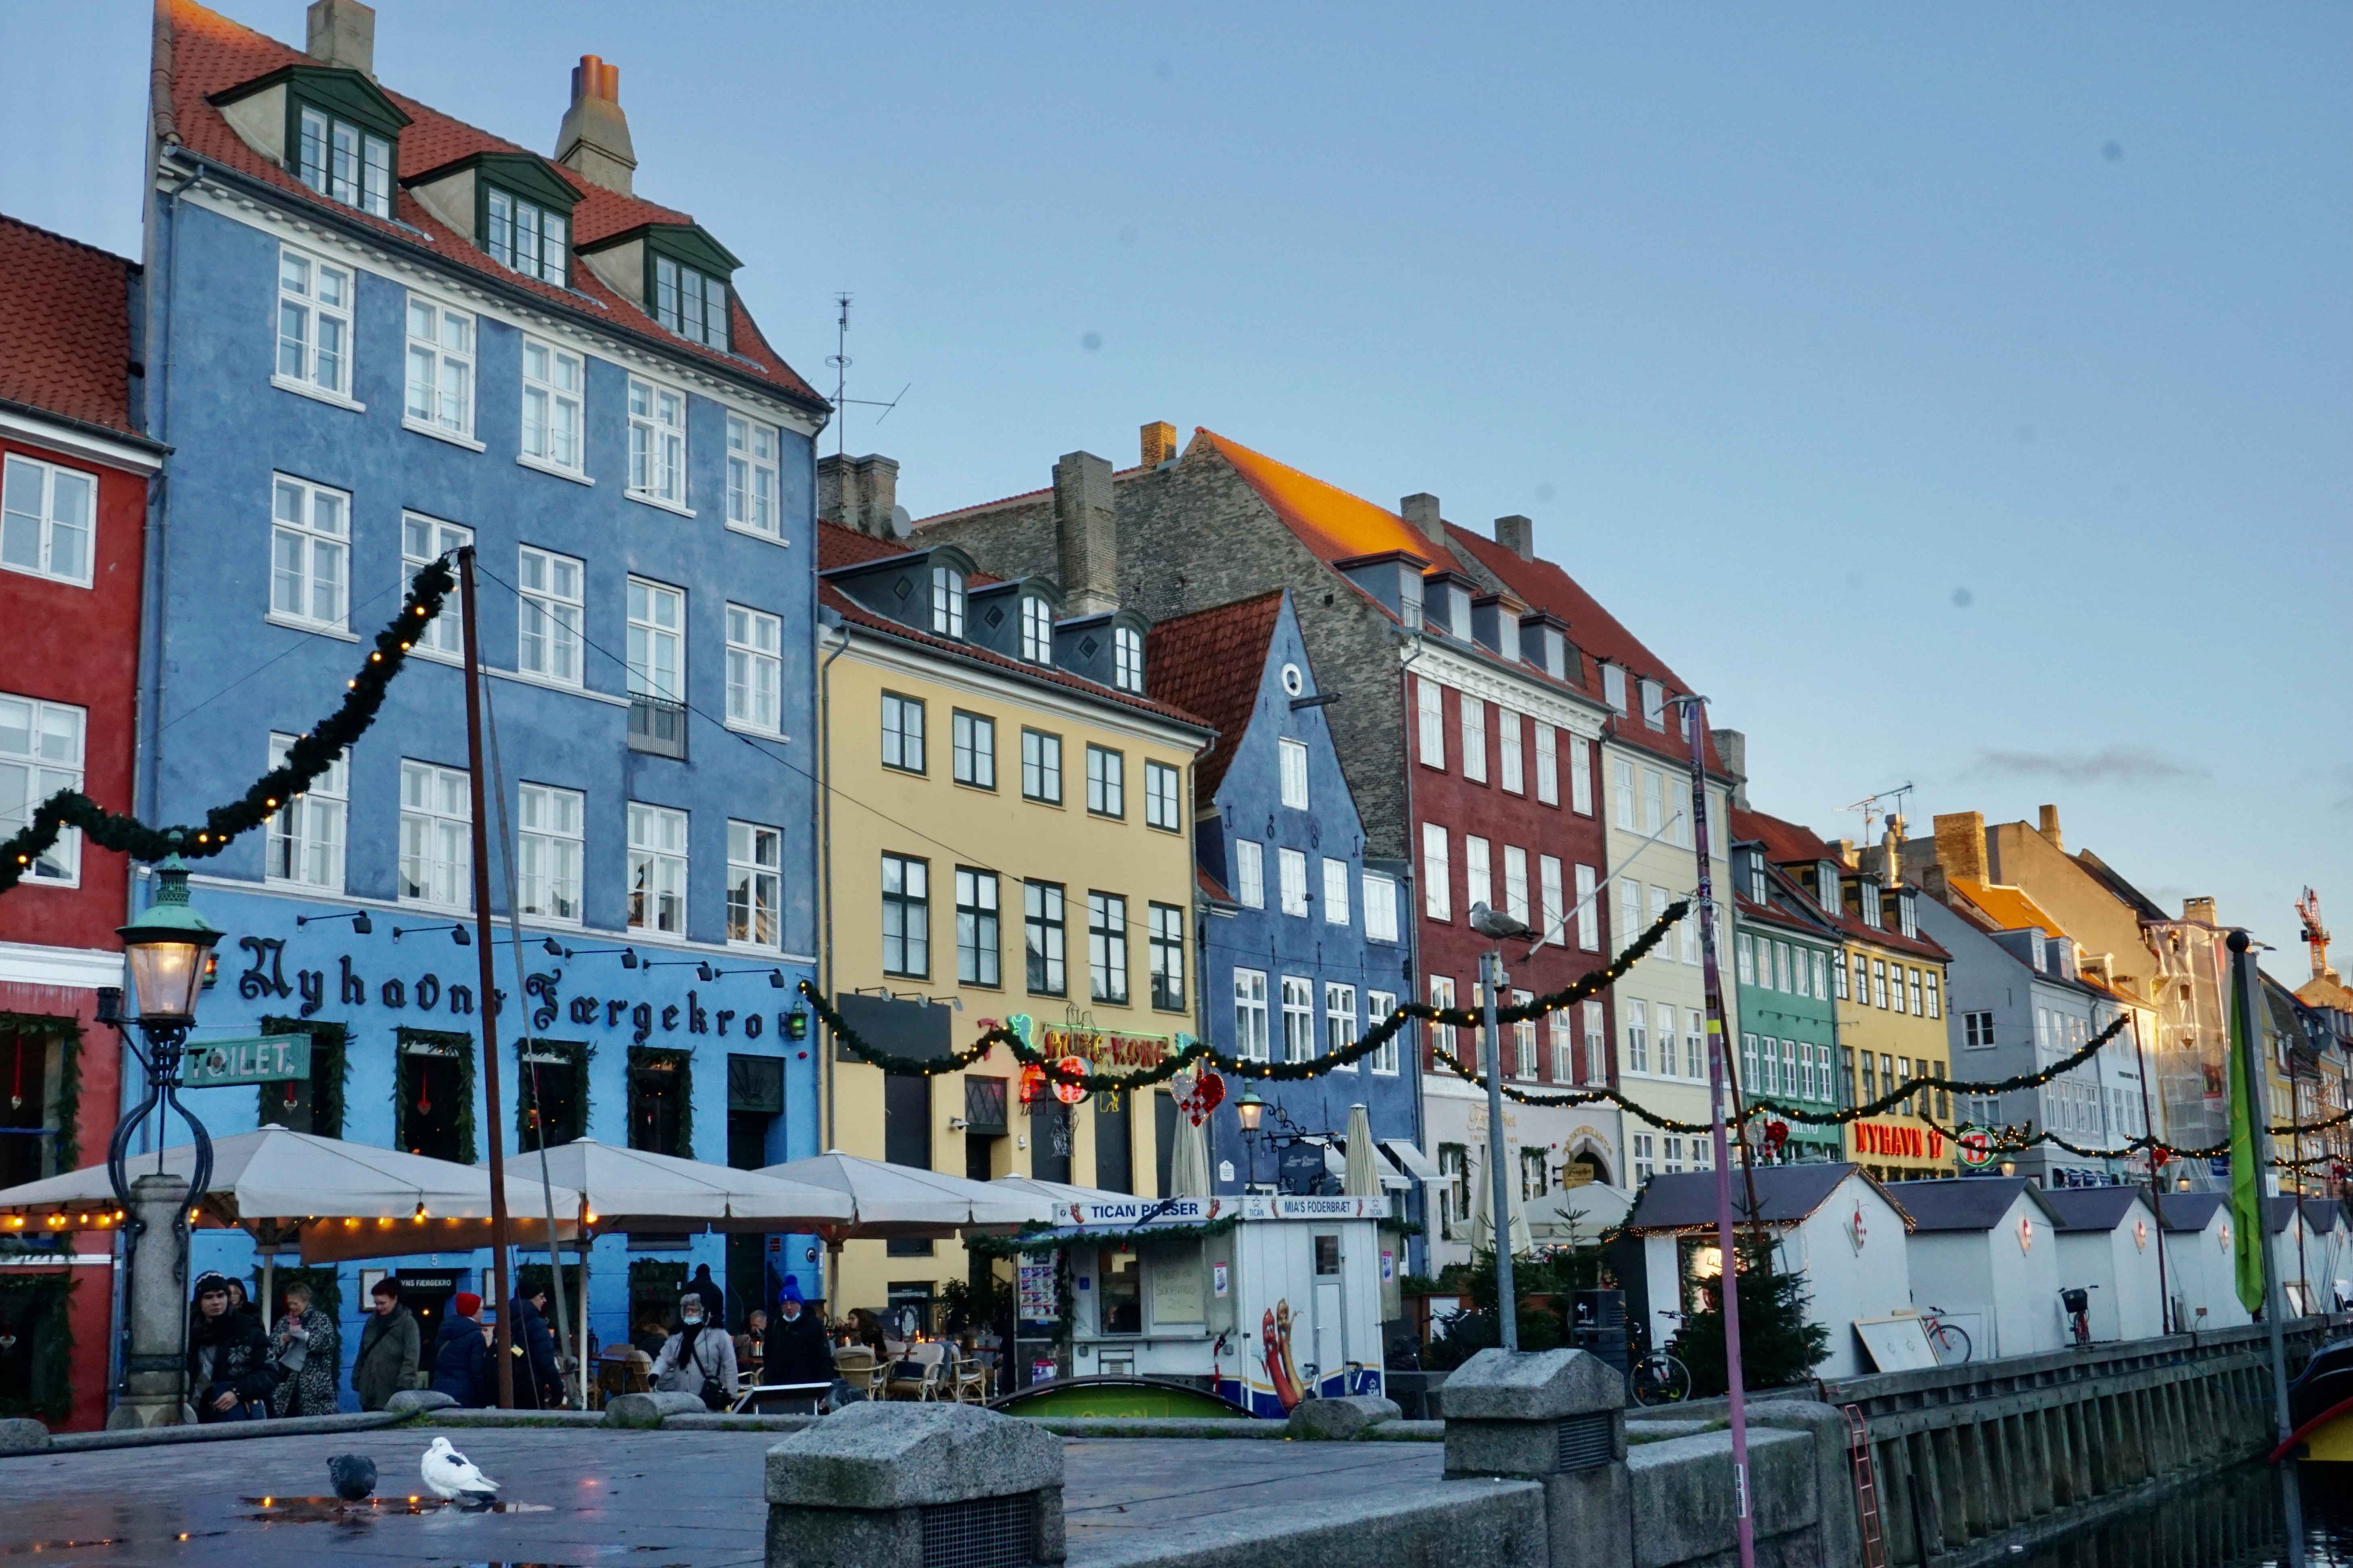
453 1477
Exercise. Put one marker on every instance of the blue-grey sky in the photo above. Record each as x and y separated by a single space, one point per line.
1958 397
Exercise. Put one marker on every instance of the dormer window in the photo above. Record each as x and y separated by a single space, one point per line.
1654 705
1037 629
1614 687
1757 875
1127 659
527 237
692 304
1907 914
329 126
1867 900
1826 882
947 602
339 159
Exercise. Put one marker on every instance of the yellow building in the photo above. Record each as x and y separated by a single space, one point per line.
1008 833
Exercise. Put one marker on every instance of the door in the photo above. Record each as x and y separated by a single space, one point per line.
1331 1314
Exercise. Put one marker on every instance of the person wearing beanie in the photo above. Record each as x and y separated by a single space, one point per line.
796 1351
539 1384
230 1370
462 1367
700 1358
713 1294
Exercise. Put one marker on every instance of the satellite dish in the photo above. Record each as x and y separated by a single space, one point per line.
902 522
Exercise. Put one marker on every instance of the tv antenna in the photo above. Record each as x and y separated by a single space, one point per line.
1869 806
841 362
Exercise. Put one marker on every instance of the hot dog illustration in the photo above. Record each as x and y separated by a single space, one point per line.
1286 1393
1298 1389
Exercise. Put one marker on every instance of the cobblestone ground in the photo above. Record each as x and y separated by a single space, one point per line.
663 1500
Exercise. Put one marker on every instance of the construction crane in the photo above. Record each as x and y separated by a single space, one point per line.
2316 935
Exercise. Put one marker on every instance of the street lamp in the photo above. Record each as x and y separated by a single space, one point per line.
1248 1110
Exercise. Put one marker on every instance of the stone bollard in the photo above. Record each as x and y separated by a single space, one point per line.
1555 1416
1340 1420
155 1368
881 1485
648 1410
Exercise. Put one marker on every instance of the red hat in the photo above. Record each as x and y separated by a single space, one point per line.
468 1303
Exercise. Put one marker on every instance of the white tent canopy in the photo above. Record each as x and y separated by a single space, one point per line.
630 1189
888 1201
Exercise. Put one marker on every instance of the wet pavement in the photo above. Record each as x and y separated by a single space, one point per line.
663 1500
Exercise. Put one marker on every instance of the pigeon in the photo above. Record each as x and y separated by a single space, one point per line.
452 1476
354 1475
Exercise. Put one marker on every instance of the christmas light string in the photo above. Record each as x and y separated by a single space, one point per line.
310 757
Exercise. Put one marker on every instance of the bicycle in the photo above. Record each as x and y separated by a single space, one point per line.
1949 1341
1654 1377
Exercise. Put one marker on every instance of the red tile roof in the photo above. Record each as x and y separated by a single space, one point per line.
210 54
65 326
1212 663
840 546
1786 843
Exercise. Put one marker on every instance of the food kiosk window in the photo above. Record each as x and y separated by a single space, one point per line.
1121 1305
1328 1255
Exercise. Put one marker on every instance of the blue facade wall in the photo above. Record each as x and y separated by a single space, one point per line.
1249 805
218 677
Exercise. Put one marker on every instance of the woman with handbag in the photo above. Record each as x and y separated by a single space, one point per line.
700 1358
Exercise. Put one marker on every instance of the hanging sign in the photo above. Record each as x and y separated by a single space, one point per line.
1976 1147
270 1058
1070 1093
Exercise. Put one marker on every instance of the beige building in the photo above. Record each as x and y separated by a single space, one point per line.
1008 833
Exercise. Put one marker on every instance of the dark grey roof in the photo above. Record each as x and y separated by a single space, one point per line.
1972 1203
2192 1211
1785 1194
2277 1210
2321 1213
2091 1208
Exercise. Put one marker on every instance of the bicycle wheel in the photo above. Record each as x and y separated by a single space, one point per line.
1952 1342
1658 1379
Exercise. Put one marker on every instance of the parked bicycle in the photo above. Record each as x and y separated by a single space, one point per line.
1949 1340
1654 1377
2077 1304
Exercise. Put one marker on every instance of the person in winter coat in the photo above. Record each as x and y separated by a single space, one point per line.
713 1294
539 1384
462 1367
307 1349
389 1347
797 1351
700 1358
229 1371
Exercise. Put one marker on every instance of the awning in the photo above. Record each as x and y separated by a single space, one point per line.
1335 1163
1411 1160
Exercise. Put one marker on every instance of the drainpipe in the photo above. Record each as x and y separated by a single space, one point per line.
1409 736
828 620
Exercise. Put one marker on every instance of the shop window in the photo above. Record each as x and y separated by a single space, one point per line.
1121 1306
661 1089
434 1110
314 1104
29 1059
550 1093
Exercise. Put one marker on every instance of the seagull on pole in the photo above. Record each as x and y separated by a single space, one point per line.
453 1477
1496 925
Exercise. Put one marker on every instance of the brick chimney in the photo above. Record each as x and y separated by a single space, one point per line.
1086 533
2049 827
1731 745
343 33
1960 844
1518 535
2198 910
859 492
594 140
1159 443
1421 510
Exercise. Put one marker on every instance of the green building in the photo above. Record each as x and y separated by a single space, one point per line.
1785 962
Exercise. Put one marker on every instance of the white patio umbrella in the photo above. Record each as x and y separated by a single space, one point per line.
635 1189
1060 1194
890 1202
1483 1209
1364 1177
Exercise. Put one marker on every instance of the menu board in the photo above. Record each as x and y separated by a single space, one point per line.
1177 1292
1035 1287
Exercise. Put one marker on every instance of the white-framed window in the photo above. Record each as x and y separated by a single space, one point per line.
657 869
1654 800
751 493
1429 709
1613 686
903 732
1508 751
440 368
973 738
1559 1028
1042 912
1437 886
1635 1020
1645 1160
1780 979
906 916
947 602
423 540
1673 1162
690 303
1695 1044
1630 911
1750 1076
1597 1055
1127 659
1340 1026
1655 704
1524 1040
1589 909
656 662
41 746
315 323
657 443
339 160
1474 736
1548 766
1580 776
1380 909
1298 1019
755 884
306 833
551 382
310 552
1293 754
1879 982
1107 947
1250 1014
436 836
1041 767
1378 1005
1515 882
1663 1035
1106 782
547 621
1249 873
1037 629
755 669
549 851
1553 892
1164 943
1935 1002
1478 873
1335 892
1918 1011
1291 864
1743 958
49 520
528 238
979 940
1441 996
1162 796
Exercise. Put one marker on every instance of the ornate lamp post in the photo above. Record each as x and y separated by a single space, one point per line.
166 950
1247 1111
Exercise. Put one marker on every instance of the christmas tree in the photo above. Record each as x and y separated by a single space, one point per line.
1778 1345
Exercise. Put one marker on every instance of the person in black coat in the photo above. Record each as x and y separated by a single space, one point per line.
797 1351
230 1373
713 1294
543 1389
462 1367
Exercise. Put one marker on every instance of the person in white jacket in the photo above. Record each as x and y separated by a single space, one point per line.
700 1358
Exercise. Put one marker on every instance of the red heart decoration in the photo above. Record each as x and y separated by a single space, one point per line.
1211 1092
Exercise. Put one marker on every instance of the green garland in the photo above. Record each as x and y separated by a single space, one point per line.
331 1068
312 755
449 1044
67 1032
49 1295
1015 1035
1036 1237
578 1053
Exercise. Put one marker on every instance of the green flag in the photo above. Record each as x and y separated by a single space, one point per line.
2246 1179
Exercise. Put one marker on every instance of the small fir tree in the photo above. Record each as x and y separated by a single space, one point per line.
1778 1345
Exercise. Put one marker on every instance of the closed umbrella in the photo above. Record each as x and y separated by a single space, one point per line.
1482 1212
1364 1177
1189 1161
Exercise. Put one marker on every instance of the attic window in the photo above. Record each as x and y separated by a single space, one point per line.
1654 705
1037 630
339 159
1127 659
527 237
1613 686
690 303
947 601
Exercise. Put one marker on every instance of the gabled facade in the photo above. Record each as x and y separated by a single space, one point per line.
74 469
393 335
1783 950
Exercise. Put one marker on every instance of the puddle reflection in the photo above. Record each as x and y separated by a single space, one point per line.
335 1511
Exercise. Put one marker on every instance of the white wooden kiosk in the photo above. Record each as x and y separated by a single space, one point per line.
1264 1300
2201 1269
1985 1256
2107 1238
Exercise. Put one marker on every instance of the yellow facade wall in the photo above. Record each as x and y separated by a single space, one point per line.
929 815
1906 1044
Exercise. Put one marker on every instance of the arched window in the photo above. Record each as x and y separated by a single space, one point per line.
1037 630
1127 659
947 601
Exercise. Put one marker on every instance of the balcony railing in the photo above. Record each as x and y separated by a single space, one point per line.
657 726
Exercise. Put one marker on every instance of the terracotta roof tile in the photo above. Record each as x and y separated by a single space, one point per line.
65 326
2011 908
1211 662
1786 843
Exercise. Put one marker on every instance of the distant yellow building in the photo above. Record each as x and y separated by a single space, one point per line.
1010 819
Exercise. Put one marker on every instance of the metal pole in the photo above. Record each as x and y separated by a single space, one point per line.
502 1338
1695 716
2242 979
1499 1192
2155 1202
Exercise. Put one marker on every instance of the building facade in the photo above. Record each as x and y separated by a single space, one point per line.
394 336
1783 950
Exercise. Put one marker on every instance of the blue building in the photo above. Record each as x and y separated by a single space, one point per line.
381 334
1302 938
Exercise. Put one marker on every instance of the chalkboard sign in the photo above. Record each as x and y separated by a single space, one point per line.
1299 1169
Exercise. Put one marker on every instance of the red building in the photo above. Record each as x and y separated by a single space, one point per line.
73 514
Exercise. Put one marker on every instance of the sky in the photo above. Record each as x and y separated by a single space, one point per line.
1957 396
